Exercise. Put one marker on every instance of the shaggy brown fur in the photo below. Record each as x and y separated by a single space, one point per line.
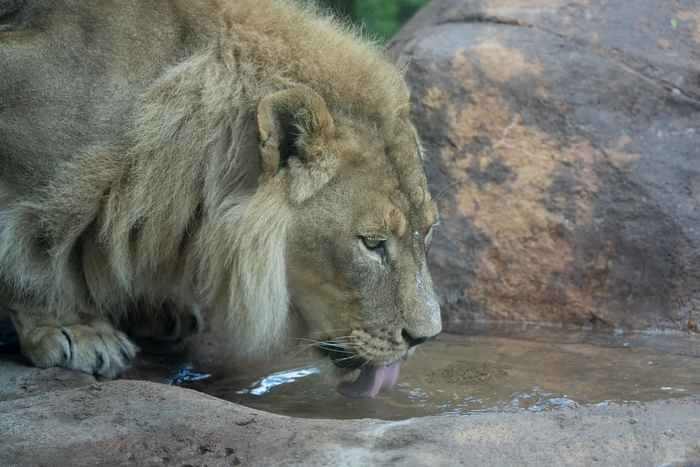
245 156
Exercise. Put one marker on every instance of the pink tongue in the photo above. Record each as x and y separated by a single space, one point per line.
371 380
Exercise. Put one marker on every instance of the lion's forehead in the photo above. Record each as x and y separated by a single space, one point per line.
412 208
410 181
412 188
410 204
391 167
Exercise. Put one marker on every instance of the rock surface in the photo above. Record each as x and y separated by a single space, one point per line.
564 139
82 422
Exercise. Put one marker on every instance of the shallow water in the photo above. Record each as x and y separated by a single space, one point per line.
536 368
458 375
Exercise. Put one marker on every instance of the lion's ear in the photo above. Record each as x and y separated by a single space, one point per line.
288 121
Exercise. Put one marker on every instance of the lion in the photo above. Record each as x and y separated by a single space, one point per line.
252 159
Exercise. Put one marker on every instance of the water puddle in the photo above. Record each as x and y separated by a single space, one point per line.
458 375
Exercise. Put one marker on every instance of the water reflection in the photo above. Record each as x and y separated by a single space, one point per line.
186 374
464 376
264 385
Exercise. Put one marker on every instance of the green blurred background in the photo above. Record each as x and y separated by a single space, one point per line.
382 17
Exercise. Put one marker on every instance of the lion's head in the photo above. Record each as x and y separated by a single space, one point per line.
362 225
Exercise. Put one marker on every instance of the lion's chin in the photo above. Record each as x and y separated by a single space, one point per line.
371 380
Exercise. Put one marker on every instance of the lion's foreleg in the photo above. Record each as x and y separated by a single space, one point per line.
95 347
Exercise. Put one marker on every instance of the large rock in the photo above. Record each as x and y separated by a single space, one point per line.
564 139
125 423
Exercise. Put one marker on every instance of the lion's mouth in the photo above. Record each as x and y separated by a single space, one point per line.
372 378
343 359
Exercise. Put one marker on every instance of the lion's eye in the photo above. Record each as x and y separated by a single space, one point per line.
429 234
374 244
428 237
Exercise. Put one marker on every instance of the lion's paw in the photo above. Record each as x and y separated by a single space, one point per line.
96 348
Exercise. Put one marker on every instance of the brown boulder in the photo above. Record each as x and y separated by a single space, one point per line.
564 146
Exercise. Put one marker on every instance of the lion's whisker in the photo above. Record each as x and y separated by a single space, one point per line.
327 344
424 354
327 332
353 357
308 346
437 198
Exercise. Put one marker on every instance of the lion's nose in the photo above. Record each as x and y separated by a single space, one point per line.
414 341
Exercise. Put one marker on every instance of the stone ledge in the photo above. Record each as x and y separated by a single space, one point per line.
141 423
